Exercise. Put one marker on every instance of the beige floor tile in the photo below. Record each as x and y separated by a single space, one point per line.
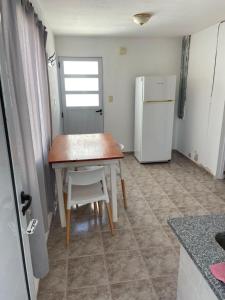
143 221
161 261
86 271
165 178
210 200
123 240
173 239
160 202
165 287
184 200
164 214
133 290
125 266
151 190
138 208
220 195
171 189
216 186
57 250
55 281
56 235
89 243
123 222
51 296
215 210
84 224
193 211
91 293
195 187
152 236
83 210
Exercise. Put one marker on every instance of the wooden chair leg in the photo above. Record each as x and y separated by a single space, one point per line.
100 208
65 201
124 193
110 218
68 221
95 209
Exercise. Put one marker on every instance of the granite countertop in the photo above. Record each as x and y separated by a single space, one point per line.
197 236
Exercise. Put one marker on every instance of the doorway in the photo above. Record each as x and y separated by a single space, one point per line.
81 82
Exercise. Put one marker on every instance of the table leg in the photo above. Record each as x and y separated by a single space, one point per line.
59 184
114 192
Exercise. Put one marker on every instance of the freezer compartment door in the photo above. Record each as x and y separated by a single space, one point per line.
157 131
159 88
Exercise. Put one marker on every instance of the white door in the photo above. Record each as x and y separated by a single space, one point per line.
82 95
15 271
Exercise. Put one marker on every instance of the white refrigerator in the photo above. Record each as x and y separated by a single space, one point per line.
154 115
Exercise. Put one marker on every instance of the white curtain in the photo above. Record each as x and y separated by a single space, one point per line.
24 42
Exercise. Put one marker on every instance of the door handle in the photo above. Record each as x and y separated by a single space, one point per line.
99 111
26 200
32 225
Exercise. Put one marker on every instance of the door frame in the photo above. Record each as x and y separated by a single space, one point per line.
60 60
221 156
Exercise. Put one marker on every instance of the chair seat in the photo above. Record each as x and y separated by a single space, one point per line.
86 194
107 170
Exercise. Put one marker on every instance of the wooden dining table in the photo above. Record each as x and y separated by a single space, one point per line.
77 150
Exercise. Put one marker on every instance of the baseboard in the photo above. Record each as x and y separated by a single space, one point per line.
195 162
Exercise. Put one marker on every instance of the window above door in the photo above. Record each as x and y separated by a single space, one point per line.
81 82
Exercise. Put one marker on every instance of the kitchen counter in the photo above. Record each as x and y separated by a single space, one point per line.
197 236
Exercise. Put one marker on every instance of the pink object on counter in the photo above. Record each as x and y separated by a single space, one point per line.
218 270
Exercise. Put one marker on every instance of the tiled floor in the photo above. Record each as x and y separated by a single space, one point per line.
140 262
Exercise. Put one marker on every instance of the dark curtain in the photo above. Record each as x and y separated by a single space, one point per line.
183 75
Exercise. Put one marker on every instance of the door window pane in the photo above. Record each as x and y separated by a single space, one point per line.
81 84
75 100
80 67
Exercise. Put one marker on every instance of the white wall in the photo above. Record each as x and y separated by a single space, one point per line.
144 57
199 133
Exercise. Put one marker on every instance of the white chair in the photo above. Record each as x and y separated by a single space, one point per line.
84 187
119 173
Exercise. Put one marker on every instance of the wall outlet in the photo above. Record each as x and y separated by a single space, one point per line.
110 99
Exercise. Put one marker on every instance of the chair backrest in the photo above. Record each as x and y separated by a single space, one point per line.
86 177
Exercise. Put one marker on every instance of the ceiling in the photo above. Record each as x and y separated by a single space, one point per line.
114 17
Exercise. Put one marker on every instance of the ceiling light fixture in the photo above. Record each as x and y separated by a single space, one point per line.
141 18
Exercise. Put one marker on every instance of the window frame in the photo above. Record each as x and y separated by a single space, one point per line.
63 76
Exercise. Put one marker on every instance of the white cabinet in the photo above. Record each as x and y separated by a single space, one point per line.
191 284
